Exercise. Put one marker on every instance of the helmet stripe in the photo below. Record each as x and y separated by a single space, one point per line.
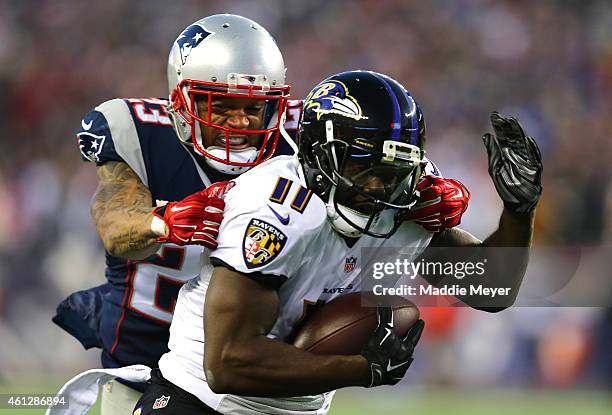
414 120
396 123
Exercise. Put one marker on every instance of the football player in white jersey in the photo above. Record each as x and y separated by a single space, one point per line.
288 228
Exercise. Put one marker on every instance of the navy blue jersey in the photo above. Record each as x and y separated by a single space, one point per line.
135 309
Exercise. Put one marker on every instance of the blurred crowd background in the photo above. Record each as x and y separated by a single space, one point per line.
547 62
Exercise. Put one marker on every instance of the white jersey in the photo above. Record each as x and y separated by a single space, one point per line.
274 230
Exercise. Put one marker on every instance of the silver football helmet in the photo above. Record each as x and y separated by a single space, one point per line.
229 56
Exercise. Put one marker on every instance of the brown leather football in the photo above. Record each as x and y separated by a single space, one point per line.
344 325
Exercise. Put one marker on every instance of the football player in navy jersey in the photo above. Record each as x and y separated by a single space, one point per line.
156 207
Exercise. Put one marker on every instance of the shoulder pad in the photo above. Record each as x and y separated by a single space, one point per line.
269 220
109 133
150 110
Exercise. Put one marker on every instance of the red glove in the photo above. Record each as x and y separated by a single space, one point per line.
441 203
194 220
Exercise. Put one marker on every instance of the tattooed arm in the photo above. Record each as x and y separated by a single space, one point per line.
121 210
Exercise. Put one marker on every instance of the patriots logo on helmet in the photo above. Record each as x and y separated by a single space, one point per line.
189 39
90 145
332 97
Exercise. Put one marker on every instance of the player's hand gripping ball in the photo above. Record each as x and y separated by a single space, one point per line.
385 336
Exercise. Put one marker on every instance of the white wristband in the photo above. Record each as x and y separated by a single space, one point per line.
159 227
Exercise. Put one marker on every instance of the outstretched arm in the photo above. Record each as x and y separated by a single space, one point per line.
515 166
505 267
514 230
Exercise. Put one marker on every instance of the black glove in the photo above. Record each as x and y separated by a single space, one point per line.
515 164
388 354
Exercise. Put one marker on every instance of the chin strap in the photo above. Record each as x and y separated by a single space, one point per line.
247 155
340 217
339 223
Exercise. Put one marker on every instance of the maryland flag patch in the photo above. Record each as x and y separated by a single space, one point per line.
262 242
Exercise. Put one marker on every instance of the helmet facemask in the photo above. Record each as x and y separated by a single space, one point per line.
223 155
367 188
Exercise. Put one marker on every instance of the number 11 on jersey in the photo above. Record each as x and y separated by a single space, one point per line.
300 199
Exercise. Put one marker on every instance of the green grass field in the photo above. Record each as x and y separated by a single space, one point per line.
421 401
473 402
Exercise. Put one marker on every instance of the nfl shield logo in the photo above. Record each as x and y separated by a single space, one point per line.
349 264
161 402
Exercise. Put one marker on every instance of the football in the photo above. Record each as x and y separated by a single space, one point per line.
344 325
